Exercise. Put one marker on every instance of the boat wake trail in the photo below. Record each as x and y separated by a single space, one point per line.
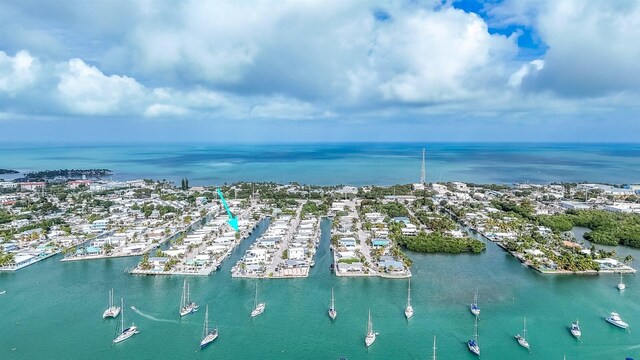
151 317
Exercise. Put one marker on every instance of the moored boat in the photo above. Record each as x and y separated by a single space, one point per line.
207 335
614 319
124 334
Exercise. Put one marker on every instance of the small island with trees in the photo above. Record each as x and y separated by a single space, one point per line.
8 171
68 174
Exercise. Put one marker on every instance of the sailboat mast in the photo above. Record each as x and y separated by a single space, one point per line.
255 301
369 324
206 320
409 294
434 348
475 330
122 315
524 331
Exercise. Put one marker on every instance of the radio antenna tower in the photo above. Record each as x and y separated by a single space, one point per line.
423 172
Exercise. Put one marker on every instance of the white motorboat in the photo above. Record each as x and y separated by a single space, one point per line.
614 319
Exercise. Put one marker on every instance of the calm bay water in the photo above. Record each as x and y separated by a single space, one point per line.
53 310
330 164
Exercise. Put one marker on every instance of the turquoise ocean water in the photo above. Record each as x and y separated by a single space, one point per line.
330 164
53 310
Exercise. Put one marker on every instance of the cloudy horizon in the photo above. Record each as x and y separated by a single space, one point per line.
299 71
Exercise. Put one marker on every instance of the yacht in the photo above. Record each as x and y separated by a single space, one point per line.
112 311
575 329
475 310
207 335
621 285
124 334
258 308
473 343
371 336
332 310
408 311
186 305
522 340
614 319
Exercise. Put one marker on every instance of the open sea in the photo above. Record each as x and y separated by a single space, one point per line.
52 310
331 164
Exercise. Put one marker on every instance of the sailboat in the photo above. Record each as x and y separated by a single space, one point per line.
186 305
473 343
621 285
408 311
371 336
434 348
575 329
522 340
475 310
258 308
207 336
332 310
125 333
112 311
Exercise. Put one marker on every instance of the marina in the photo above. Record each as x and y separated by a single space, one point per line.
441 308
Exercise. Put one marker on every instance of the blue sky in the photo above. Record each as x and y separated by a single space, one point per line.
313 71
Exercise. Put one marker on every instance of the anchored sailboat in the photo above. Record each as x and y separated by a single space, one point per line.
475 310
332 310
621 285
473 343
371 336
207 336
258 308
522 340
575 329
408 311
124 334
186 305
112 311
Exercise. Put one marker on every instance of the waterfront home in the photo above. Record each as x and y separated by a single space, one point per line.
409 230
390 264
347 242
158 263
255 257
380 242
353 267
296 253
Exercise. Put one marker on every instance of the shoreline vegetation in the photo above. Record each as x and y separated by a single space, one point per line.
8 171
606 227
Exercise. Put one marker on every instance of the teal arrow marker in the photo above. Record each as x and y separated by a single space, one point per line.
233 221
